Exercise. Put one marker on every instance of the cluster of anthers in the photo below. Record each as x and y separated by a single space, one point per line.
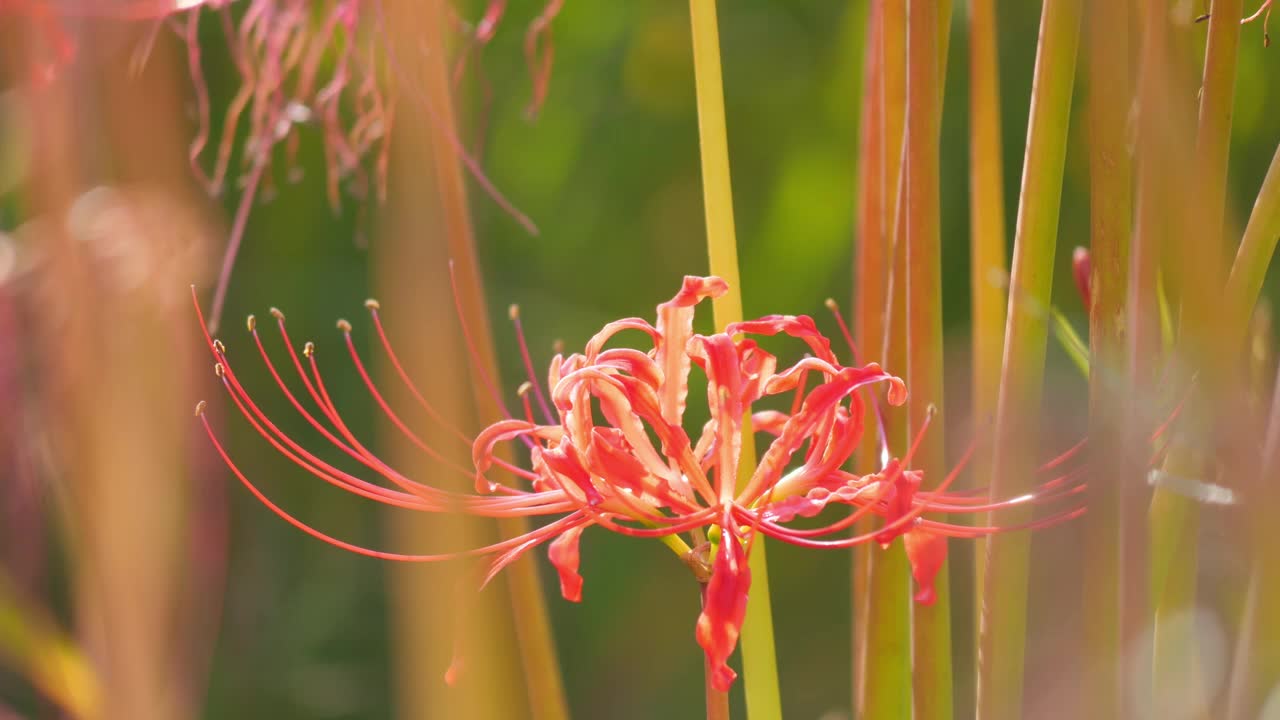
607 446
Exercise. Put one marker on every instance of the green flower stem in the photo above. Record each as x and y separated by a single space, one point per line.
760 665
1172 517
884 645
401 274
870 274
35 648
988 258
1111 203
931 627
1257 664
1213 136
1254 256
1198 277
1002 644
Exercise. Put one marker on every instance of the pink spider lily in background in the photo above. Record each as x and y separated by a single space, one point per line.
326 64
640 472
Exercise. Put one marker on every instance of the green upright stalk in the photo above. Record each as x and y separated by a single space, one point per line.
931 629
1111 204
986 239
1257 665
1253 258
1002 643
1198 278
1256 668
885 648
870 273
885 686
1213 136
32 645
760 665
403 264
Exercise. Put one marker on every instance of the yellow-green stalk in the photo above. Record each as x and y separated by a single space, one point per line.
884 645
1257 664
931 626
404 258
33 646
1002 643
870 272
1184 203
759 664
988 261
1111 206
121 446
1256 668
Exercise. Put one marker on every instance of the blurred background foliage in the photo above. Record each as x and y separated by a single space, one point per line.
608 170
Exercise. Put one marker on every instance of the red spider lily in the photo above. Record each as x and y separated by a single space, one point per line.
301 63
639 472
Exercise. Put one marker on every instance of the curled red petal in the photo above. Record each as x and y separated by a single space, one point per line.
926 551
801 327
566 462
563 553
675 327
724 607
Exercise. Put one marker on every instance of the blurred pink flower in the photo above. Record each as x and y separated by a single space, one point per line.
326 64
639 472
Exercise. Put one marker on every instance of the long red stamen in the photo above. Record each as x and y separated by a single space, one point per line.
523 392
892 527
373 307
424 491
308 462
477 362
331 411
417 441
323 537
970 531
844 330
226 368
1064 457
514 313
547 530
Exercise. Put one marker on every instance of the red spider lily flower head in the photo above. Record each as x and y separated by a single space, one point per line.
324 66
611 449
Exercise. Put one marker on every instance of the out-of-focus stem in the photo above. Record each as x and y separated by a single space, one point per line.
32 645
1110 198
115 250
1002 644
760 665
885 686
931 629
870 274
988 263
1213 136
405 261
1256 668
1257 665
1183 204
1254 256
